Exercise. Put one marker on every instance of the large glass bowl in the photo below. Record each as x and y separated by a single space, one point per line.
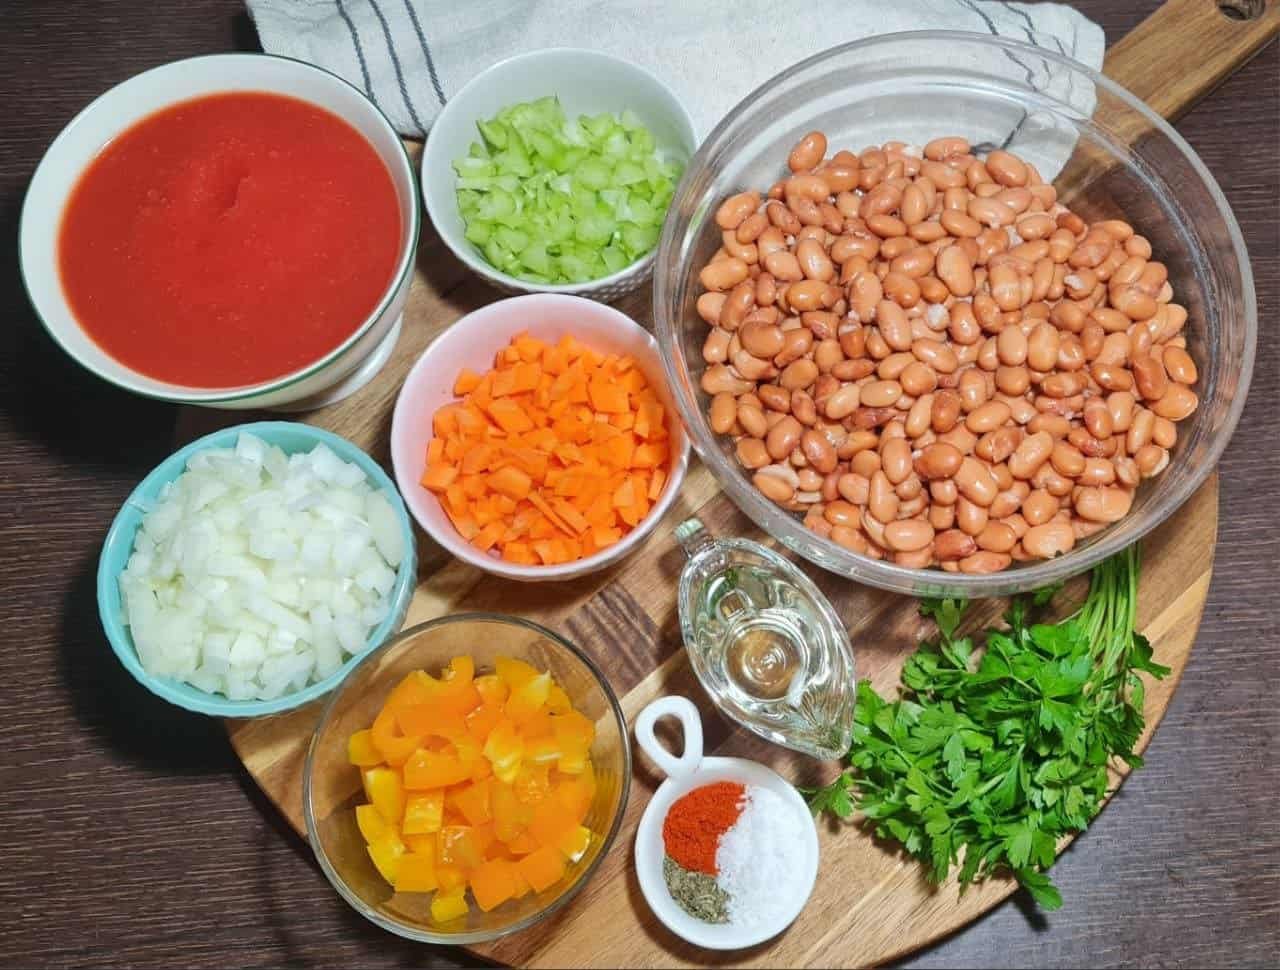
915 86
331 785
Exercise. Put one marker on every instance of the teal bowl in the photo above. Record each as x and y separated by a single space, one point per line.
290 437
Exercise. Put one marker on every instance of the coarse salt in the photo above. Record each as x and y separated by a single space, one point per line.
760 859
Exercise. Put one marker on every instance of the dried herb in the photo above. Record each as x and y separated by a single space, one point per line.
698 894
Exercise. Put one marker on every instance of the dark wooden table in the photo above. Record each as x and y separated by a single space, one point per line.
131 836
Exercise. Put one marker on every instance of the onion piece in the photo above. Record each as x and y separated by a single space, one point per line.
255 573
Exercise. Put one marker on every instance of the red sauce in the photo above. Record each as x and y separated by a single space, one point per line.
229 240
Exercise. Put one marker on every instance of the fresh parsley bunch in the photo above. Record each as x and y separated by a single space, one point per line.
987 763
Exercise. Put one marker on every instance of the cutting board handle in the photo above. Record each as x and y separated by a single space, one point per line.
1188 47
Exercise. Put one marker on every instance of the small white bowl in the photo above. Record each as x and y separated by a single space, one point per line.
336 374
472 342
586 82
685 773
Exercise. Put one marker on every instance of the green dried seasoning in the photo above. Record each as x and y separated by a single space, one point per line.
698 894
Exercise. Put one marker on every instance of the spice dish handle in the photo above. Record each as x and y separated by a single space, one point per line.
690 720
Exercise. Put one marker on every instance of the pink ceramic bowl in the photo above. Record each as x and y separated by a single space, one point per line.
472 342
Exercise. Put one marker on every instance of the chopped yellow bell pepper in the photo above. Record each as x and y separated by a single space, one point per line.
424 813
416 873
361 750
384 790
451 905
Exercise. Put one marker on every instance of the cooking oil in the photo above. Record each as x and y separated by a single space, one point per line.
765 643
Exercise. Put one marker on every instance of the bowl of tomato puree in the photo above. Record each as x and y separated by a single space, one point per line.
236 230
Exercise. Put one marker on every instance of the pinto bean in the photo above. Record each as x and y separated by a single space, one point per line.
1049 539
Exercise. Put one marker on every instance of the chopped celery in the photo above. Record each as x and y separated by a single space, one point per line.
512 239
479 232
554 200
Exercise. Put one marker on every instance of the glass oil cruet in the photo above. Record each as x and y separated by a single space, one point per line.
765 643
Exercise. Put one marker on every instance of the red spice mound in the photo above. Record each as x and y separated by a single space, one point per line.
695 822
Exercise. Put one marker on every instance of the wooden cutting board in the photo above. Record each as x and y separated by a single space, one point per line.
870 904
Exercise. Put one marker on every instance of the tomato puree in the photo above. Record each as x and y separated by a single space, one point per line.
229 239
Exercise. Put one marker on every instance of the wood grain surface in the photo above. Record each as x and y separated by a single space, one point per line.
134 838
869 904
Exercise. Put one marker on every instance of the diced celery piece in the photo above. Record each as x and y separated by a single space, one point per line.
495 133
536 259
549 199
598 126
473 167
643 213
514 161
497 204
595 229
512 239
628 173
614 258
616 144
575 267
496 255
638 240
594 174
479 232
641 141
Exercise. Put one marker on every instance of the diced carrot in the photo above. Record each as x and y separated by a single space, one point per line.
439 477
445 421
553 454
555 360
466 382
487 537
529 348
527 376
619 451
546 508
510 481
510 416
600 511
519 552
483 393
649 455
602 536
435 451
633 381
575 520
476 458
625 495
471 421
658 480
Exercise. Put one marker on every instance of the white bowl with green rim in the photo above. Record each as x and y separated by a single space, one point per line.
334 375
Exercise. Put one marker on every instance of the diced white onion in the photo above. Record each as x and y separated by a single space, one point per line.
255 573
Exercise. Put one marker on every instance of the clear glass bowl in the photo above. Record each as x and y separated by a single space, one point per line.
331 785
915 86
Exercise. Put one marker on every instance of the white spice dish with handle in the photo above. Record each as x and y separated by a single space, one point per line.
685 773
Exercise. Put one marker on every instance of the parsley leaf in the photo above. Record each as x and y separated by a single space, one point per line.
999 745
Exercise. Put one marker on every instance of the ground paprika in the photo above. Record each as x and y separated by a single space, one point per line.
694 823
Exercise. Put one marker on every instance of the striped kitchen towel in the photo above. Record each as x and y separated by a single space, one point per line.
409 56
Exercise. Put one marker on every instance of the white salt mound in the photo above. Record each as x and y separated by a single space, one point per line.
760 859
